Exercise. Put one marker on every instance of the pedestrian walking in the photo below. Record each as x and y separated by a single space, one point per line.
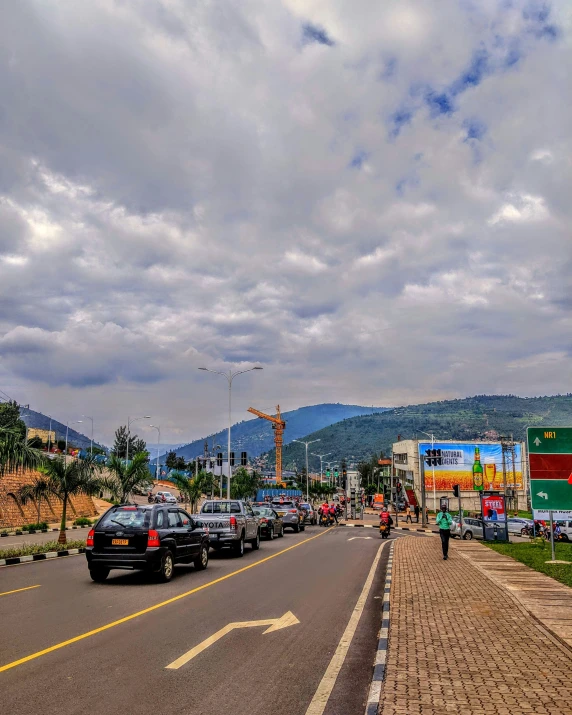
408 514
417 512
444 521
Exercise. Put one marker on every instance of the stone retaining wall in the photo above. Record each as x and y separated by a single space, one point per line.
13 514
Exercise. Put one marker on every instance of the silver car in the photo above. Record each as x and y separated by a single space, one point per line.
169 498
516 524
292 517
472 529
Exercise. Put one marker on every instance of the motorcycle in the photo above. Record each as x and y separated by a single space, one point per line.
324 519
150 498
384 530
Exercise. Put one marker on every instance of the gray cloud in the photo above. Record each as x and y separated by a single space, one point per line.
384 219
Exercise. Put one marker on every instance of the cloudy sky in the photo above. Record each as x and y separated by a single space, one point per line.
369 199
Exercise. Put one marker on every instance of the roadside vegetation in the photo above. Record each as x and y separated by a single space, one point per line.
30 549
536 554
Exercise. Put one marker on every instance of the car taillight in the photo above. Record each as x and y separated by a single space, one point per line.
153 538
90 536
264 520
233 524
293 511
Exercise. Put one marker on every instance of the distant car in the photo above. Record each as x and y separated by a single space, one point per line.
516 524
169 498
150 537
472 529
311 516
270 523
292 517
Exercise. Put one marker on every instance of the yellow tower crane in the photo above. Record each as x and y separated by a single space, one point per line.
278 425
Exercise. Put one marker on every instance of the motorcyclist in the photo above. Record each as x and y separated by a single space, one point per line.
333 514
385 518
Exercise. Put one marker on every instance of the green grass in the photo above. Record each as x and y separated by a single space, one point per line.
535 555
29 549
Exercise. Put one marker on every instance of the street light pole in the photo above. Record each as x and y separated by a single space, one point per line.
432 467
306 444
158 441
77 422
91 443
129 421
230 377
321 457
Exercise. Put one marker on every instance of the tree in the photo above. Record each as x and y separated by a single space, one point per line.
35 491
124 477
171 460
15 454
136 444
10 418
192 488
65 480
180 464
243 484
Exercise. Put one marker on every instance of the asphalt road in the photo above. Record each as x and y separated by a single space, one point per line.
317 576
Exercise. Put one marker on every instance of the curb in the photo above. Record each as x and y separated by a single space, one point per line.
14 560
393 528
374 695
40 531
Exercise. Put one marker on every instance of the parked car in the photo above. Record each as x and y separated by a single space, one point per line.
270 523
516 524
148 537
472 528
311 516
169 498
230 524
292 517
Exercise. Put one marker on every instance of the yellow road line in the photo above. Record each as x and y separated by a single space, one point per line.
17 590
94 632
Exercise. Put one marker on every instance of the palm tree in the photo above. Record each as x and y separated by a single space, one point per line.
15 453
125 477
192 488
35 491
79 476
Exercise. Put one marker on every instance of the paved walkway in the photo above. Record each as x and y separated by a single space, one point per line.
460 643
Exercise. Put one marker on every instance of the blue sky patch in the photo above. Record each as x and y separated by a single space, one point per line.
399 119
358 160
314 33
439 103
476 129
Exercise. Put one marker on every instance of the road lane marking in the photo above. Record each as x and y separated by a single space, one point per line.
322 694
364 538
276 624
95 631
17 590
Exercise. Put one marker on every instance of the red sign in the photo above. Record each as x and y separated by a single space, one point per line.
493 508
550 466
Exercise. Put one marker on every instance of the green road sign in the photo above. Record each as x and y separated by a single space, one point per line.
549 440
550 467
551 494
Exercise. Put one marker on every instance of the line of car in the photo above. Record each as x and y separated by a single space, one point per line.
155 537
473 527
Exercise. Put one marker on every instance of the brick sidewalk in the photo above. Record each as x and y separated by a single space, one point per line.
458 643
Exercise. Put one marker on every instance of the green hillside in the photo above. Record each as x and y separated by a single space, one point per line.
479 417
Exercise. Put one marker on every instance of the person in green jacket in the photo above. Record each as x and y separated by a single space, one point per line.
444 522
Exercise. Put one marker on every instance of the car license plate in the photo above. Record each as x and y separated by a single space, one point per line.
119 542
280 513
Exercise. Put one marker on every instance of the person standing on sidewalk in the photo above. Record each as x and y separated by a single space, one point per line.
417 510
408 514
444 521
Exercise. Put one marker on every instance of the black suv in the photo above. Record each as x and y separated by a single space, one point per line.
150 537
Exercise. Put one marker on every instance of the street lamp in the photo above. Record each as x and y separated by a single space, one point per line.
301 441
432 467
321 457
91 443
77 422
230 377
129 421
158 441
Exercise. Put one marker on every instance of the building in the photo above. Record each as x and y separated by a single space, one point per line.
455 462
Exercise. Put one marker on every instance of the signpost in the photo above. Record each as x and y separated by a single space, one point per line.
550 469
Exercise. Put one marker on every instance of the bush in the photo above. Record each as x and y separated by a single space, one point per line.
29 549
82 521
35 527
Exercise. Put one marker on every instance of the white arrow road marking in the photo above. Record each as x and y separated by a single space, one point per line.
275 624
544 495
537 441
353 538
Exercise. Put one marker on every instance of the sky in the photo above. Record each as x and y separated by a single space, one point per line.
369 200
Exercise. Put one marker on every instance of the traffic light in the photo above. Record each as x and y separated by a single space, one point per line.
232 459
328 473
219 459
210 465
243 459
456 490
336 474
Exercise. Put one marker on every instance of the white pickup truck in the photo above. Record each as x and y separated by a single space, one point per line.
229 523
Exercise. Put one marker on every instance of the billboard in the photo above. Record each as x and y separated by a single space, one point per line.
493 507
473 465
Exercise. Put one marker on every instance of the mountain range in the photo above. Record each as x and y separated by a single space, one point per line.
480 417
257 436
31 418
